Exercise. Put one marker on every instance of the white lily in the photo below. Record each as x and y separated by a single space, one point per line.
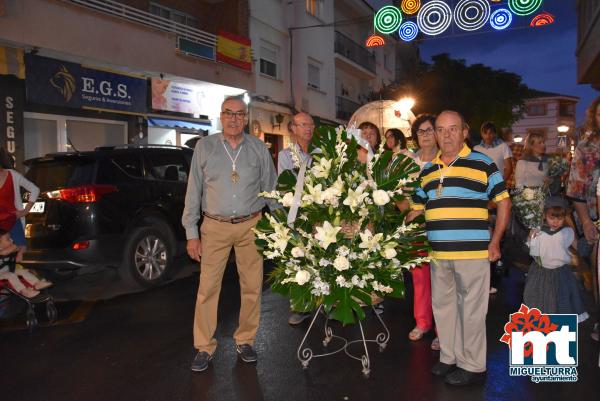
369 241
355 198
322 169
326 235
316 193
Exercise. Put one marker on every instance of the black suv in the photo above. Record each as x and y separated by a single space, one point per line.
115 206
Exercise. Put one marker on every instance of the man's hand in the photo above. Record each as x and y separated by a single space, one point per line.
194 249
413 214
590 231
494 251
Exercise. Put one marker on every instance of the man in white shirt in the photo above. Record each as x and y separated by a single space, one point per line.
497 150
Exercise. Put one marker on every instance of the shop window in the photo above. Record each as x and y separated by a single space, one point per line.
167 166
268 59
536 109
314 74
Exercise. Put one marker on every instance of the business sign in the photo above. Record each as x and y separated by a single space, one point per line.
542 346
12 93
60 83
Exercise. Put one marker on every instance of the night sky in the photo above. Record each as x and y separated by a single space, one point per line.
543 56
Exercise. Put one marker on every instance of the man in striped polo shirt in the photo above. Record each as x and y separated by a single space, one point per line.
454 191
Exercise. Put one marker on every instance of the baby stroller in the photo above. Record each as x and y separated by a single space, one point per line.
42 298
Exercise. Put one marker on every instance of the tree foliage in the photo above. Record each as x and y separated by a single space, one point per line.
479 92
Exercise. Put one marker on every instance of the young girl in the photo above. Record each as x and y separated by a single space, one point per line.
551 286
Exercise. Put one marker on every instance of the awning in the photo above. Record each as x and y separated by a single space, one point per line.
178 124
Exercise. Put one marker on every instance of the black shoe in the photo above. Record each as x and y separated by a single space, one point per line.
246 353
461 377
441 368
201 361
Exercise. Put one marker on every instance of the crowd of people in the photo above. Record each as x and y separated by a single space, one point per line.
464 194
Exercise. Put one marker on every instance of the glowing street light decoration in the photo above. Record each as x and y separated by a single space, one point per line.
408 31
501 19
374 41
388 19
470 15
410 6
524 7
434 18
542 19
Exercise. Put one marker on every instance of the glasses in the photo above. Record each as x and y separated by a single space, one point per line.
234 114
305 125
453 130
425 132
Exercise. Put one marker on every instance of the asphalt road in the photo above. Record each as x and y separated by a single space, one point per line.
120 345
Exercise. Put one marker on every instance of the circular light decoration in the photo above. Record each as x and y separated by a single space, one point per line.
501 19
410 6
388 19
542 19
524 7
374 41
470 15
434 18
408 31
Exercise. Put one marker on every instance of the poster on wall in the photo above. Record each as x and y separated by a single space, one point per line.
60 83
176 96
12 100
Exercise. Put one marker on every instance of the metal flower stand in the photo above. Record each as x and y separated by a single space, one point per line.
306 354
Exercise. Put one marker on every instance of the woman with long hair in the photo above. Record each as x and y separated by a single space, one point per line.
11 182
532 168
370 132
582 184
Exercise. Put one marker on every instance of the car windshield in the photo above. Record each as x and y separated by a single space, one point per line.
54 174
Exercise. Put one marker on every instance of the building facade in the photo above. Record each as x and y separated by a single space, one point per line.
310 56
114 72
544 113
81 66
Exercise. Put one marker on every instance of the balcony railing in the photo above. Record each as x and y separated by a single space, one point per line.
353 51
143 17
344 108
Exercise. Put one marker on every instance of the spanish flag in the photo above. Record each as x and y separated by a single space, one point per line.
11 62
235 50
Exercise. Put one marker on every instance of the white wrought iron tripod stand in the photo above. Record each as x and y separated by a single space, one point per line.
306 354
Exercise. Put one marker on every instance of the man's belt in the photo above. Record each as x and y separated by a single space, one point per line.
232 220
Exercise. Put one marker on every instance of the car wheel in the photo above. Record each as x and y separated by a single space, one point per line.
148 256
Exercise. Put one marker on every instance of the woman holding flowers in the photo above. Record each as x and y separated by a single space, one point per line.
532 169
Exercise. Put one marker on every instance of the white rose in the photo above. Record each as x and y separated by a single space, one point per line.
528 194
389 253
380 197
302 277
297 252
341 263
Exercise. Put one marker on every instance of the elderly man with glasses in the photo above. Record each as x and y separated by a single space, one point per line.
227 173
454 191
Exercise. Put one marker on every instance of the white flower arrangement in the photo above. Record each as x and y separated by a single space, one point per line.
349 240
528 204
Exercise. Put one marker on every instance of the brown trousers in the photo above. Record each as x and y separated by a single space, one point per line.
217 240
460 293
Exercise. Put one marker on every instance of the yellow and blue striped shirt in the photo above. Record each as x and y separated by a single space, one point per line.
457 218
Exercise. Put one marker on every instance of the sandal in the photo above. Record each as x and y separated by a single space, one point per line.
416 334
435 344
